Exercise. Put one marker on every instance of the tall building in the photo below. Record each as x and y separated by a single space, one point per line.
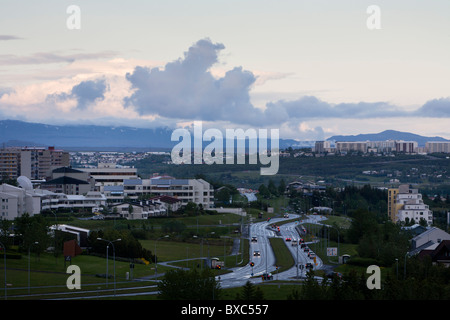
322 146
437 146
406 146
32 162
405 203
351 146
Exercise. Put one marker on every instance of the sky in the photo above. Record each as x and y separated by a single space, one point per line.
312 69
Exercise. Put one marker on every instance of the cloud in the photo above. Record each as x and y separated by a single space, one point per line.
86 93
435 108
310 107
186 89
5 37
49 57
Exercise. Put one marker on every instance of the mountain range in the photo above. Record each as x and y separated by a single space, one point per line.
387 135
102 138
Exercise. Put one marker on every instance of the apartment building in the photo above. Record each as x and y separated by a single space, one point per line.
382 146
31 162
351 146
322 146
187 190
406 146
437 147
405 203
110 174
377 146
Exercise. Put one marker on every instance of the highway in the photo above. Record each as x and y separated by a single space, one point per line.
265 262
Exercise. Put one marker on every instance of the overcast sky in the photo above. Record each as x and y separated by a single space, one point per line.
313 69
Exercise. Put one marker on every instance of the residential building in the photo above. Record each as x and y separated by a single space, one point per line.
440 255
437 147
322 146
406 146
405 203
428 239
32 162
382 146
351 146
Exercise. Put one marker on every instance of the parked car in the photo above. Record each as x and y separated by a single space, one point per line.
267 276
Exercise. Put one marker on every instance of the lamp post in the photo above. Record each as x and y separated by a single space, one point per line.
114 258
4 266
156 258
29 247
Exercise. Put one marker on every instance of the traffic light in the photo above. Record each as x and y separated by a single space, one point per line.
252 264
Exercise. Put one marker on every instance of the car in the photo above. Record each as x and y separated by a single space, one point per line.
333 274
267 276
306 249
286 215
294 242
303 245
309 265
288 239
254 239
256 253
311 255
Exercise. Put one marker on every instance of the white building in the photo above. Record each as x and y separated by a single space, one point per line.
15 201
187 190
109 174
410 205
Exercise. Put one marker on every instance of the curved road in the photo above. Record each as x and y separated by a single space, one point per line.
265 262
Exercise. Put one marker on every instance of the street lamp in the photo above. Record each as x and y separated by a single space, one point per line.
114 258
156 258
4 265
29 247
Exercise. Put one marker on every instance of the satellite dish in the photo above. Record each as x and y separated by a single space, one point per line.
25 183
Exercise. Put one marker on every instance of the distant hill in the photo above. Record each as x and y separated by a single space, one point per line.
92 137
22 133
110 138
387 135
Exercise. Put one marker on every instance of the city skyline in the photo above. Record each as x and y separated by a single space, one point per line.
312 70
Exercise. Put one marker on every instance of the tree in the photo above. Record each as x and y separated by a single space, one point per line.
33 229
264 191
282 187
363 223
189 285
272 188
223 195
250 292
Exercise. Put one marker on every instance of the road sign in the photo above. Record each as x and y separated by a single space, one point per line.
331 252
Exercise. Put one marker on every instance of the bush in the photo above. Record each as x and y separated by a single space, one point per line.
11 255
362 262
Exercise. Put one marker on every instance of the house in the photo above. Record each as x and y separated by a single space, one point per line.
428 239
438 255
